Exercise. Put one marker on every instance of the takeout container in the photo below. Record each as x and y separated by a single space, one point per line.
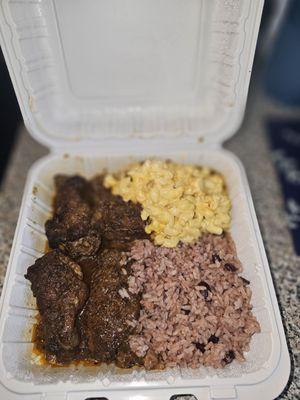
106 82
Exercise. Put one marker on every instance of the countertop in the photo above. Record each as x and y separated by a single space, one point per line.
251 146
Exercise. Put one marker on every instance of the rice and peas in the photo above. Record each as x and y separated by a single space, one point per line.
195 307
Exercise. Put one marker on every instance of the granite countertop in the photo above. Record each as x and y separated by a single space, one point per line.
250 145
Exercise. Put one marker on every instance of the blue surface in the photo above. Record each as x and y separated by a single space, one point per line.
282 77
284 138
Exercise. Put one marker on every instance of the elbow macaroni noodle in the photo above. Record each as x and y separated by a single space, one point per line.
179 202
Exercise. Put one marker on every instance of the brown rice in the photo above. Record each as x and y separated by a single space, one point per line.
195 307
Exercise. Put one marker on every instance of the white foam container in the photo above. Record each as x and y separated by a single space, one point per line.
109 81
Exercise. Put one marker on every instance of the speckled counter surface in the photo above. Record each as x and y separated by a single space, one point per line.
250 145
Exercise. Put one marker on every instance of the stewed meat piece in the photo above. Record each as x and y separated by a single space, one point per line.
103 323
70 228
86 213
119 221
83 247
56 282
99 190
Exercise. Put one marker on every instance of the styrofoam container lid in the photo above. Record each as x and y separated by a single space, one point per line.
91 71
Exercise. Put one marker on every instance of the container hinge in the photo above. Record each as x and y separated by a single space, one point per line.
54 396
223 393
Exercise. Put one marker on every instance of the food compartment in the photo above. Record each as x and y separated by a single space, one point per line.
18 362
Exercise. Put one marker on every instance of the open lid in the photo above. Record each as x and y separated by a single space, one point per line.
86 71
